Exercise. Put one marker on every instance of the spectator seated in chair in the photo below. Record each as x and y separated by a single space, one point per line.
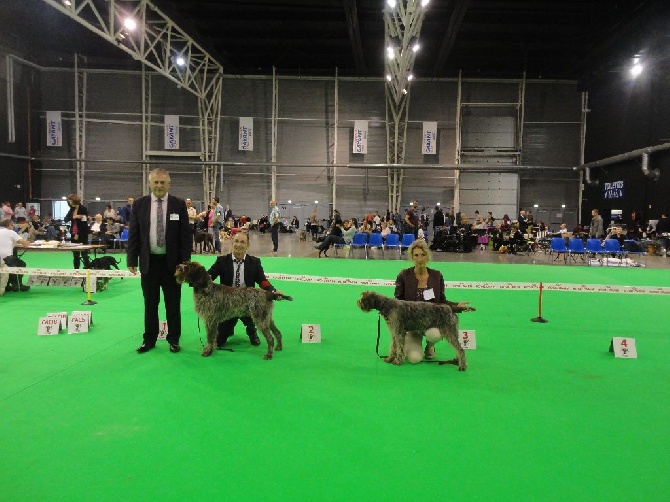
8 239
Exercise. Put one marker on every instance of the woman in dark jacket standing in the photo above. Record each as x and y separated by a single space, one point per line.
78 218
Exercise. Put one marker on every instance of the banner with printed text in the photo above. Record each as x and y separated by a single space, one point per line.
172 132
429 138
360 136
246 140
54 129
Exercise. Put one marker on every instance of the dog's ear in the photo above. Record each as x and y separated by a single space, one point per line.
198 275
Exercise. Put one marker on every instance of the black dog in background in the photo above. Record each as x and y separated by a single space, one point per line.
103 263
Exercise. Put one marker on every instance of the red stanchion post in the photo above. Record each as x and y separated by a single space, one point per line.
539 317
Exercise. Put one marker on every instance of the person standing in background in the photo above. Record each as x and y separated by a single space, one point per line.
597 227
274 224
79 230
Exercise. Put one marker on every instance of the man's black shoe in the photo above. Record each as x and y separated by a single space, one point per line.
174 348
253 338
145 347
24 288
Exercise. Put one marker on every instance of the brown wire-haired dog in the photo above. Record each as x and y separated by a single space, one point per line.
215 303
402 316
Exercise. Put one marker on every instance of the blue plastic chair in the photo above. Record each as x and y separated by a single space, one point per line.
360 241
594 247
407 240
121 241
558 246
612 248
576 248
393 242
375 241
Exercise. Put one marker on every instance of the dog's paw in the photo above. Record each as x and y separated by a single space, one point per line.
267 357
207 352
279 346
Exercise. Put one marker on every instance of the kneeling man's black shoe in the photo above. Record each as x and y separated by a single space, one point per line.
145 347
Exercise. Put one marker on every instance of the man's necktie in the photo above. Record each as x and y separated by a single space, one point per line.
237 272
160 224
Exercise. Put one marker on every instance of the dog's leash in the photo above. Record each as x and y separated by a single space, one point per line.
203 345
379 334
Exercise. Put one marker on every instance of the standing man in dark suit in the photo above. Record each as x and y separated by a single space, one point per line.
160 238
240 270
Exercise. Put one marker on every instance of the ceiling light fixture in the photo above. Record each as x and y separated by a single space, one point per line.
402 27
130 24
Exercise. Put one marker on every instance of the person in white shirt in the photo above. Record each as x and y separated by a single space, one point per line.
8 239
20 211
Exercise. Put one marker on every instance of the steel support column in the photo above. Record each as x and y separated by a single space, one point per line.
80 121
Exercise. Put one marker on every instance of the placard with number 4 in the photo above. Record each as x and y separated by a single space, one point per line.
623 347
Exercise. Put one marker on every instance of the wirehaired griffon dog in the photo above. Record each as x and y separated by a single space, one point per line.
402 316
215 303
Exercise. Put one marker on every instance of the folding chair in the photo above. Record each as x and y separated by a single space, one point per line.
576 248
360 241
406 242
594 247
121 241
558 246
393 242
375 241
612 247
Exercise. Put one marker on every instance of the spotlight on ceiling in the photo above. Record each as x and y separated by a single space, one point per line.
636 70
391 3
424 3
180 61
130 24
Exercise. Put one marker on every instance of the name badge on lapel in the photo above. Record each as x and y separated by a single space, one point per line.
174 217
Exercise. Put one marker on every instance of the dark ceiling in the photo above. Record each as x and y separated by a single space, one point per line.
567 39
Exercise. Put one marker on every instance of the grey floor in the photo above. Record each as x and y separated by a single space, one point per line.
290 245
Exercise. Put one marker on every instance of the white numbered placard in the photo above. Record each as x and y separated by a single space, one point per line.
59 315
467 338
624 347
162 330
84 313
77 324
310 333
48 326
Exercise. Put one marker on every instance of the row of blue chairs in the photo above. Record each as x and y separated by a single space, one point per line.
594 248
372 241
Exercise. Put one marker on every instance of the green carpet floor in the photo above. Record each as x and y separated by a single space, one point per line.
544 412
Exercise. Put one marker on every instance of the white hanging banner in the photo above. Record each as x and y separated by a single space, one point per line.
54 129
172 132
360 136
429 142
246 140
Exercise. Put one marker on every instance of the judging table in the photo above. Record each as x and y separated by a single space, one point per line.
58 246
